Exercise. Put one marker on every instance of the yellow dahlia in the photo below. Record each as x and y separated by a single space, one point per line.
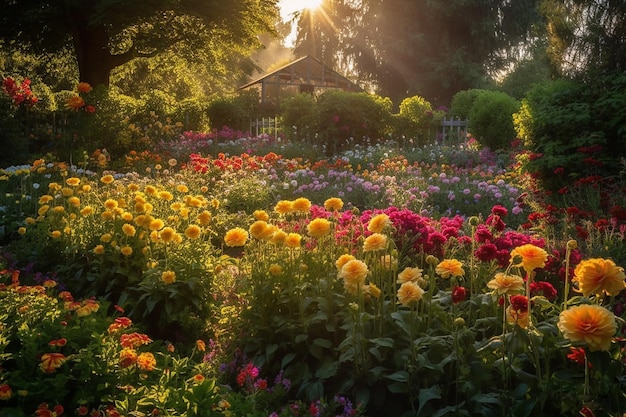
374 242
343 259
590 324
378 223
450 268
506 284
302 205
333 204
409 275
236 237
530 256
597 276
318 228
409 292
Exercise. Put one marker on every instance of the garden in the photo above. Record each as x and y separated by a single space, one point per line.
220 274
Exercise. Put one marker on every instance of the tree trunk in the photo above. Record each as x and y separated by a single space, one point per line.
92 52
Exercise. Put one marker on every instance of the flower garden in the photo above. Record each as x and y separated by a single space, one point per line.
222 277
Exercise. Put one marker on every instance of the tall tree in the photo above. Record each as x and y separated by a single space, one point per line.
433 48
105 34
586 36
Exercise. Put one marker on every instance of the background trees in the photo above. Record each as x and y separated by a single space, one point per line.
105 34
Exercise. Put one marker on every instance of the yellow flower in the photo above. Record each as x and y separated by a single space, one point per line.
318 228
302 205
371 289
86 211
21 230
389 262
450 267
293 240
283 207
261 230
128 357
519 317
165 195
261 215
50 362
279 236
127 216
193 231
150 190
378 223
45 199
106 238
30 221
204 218
55 234
168 277
409 292
110 204
167 234
98 250
126 250
409 275
353 274
506 284
67 191
275 269
107 179
129 229
74 103
43 210
236 237
343 259
72 181
181 188
156 224
532 257
592 325
597 276
58 209
333 204
146 361
374 242
86 188
74 201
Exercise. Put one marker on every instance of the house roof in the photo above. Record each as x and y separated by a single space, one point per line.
307 71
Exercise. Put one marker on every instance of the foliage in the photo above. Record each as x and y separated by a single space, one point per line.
416 118
463 102
524 76
491 119
299 115
572 130
226 112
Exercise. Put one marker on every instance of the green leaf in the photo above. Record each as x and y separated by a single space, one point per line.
287 359
399 376
383 341
323 343
427 394
327 370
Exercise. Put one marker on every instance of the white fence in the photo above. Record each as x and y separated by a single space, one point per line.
453 130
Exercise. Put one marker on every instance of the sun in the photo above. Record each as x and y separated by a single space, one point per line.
311 4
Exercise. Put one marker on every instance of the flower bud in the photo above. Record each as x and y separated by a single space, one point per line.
572 244
473 221
432 260
459 322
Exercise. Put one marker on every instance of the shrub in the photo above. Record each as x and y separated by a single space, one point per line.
227 112
300 116
491 119
462 103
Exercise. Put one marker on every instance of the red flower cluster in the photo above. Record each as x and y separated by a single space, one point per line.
20 94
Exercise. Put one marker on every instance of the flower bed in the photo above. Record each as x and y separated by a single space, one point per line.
257 284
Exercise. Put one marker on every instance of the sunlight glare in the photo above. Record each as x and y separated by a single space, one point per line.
311 4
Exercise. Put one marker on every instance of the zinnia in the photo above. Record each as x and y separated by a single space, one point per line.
532 257
450 268
506 284
50 362
409 292
293 240
409 274
193 231
590 324
302 205
236 237
318 228
597 276
283 207
378 223
146 361
128 357
375 242
261 230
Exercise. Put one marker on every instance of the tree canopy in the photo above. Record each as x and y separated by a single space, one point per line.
105 34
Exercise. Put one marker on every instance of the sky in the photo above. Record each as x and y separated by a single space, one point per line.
287 8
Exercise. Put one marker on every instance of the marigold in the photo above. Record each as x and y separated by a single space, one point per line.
50 362
156 224
275 270
126 250
182 188
236 237
409 292
279 236
261 230
597 276
293 240
107 179
353 274
168 277
74 103
128 357
98 250
129 229
72 181
378 223
409 274
110 204
55 234
283 207
506 284
318 228
261 215
450 268
21 230
193 231
83 87
200 345
374 242
333 204
302 205
146 361
106 238
342 260
532 257
592 325
204 218
74 201
165 195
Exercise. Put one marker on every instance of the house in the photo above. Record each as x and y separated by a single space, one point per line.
304 75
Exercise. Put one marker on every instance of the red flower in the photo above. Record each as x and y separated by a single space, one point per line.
519 302
499 210
577 354
458 294
543 288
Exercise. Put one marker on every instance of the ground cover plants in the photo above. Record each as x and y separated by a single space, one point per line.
231 279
